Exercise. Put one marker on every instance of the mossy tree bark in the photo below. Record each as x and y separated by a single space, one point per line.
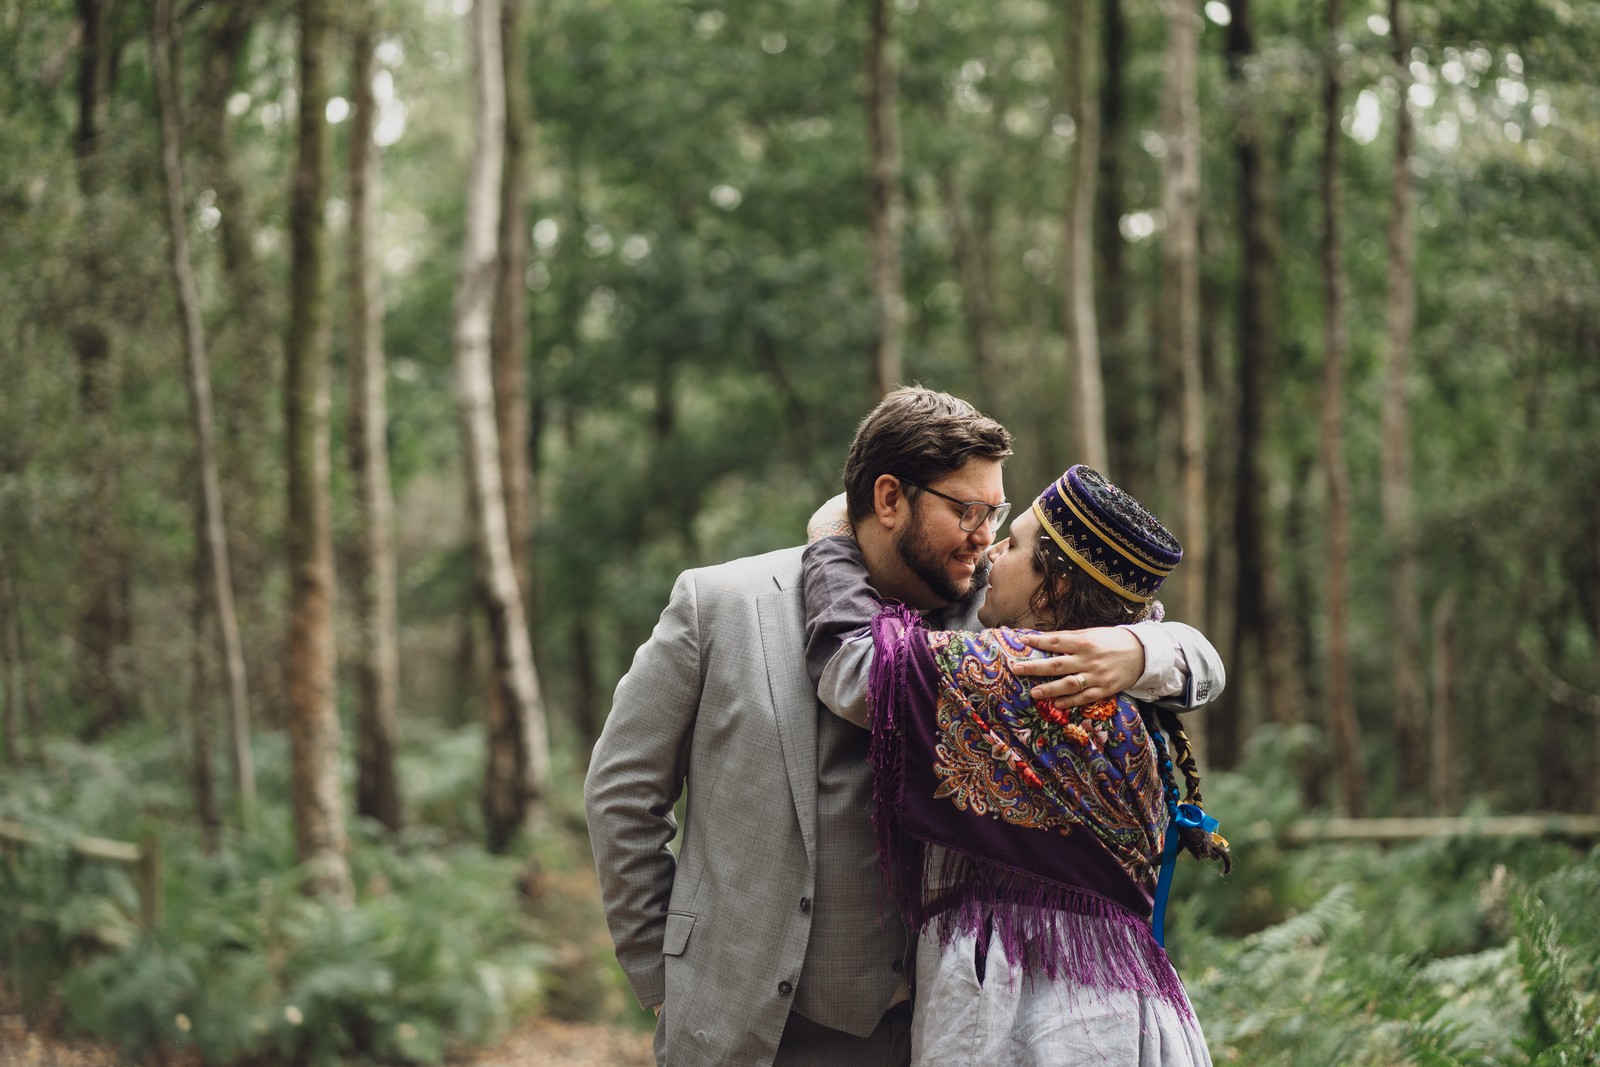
1341 712
316 742
378 730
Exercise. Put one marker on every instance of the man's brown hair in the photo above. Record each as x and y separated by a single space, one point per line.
920 435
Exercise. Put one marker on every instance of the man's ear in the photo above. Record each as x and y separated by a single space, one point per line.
887 497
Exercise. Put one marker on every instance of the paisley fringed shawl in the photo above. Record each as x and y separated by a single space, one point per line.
991 812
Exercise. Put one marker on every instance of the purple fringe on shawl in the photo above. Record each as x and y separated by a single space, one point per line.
1058 930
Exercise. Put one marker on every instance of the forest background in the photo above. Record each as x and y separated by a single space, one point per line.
371 369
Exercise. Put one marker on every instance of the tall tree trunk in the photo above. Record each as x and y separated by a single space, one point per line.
971 263
886 208
509 335
1130 381
513 651
1342 721
1086 399
245 342
202 779
1180 290
1594 623
226 41
509 362
11 667
23 692
209 524
1442 779
588 714
508 346
316 744
1255 631
106 617
1400 319
377 781
1302 629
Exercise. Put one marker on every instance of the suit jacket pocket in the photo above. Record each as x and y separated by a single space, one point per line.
676 938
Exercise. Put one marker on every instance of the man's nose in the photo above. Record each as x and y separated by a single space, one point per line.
983 536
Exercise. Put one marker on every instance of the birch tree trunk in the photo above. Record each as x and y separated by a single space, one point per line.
1342 721
1400 319
1180 291
509 335
506 768
886 210
513 651
377 782
210 524
316 744
1086 401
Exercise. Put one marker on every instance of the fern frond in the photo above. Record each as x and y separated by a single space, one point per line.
1560 1022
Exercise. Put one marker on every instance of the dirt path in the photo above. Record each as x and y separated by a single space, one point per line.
18 1048
557 1044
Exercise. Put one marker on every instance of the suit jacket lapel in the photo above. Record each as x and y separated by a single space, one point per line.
794 703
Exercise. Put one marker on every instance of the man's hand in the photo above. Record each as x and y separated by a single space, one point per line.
830 519
1088 665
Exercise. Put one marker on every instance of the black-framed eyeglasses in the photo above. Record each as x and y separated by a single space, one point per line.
974 513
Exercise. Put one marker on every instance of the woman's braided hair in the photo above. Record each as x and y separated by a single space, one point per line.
1068 599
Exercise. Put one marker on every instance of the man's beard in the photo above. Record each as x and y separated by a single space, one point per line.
924 560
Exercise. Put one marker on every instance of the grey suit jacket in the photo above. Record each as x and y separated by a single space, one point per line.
718 702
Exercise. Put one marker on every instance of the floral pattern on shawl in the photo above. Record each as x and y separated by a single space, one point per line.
998 753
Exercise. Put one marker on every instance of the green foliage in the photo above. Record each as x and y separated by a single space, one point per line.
1446 952
701 321
438 949
1562 1025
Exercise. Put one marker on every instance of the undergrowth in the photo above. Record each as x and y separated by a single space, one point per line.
1443 953
445 947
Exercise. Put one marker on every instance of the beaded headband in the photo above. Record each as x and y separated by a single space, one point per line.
1108 533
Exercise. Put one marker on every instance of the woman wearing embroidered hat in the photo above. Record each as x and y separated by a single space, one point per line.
1023 844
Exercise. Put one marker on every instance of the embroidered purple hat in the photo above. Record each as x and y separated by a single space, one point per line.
1108 533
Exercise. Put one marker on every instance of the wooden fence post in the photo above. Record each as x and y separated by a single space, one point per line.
149 872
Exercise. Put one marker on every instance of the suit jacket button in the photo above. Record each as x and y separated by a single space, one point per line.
784 989
897 966
805 904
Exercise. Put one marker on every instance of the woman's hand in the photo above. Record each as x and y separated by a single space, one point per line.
1087 665
832 518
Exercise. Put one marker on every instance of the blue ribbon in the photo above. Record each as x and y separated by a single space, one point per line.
1187 815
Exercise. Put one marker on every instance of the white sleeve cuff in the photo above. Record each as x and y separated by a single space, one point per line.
1166 669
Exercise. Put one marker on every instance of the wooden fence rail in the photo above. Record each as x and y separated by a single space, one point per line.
144 858
1577 828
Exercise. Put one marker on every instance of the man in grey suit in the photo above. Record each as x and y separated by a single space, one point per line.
766 940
